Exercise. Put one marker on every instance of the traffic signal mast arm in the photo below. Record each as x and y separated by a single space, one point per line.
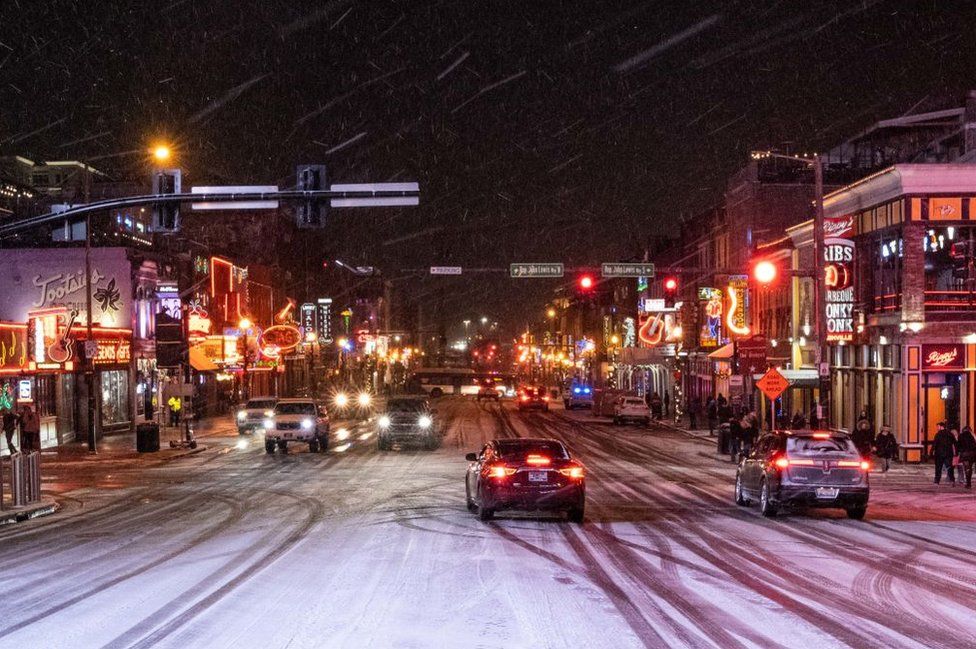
407 190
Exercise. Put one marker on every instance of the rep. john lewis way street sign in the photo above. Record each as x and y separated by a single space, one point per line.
623 269
536 270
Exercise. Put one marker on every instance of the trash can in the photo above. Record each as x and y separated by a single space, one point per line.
147 437
724 443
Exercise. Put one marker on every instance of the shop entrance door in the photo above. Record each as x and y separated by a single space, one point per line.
935 411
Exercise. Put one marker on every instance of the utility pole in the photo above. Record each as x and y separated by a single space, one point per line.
89 341
820 287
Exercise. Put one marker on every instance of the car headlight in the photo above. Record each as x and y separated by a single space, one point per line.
241 415
306 424
342 399
268 424
364 398
424 421
384 422
269 413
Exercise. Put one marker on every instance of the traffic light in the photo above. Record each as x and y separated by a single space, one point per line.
764 272
585 283
670 291
311 213
166 216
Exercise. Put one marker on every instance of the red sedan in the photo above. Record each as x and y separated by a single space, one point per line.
526 474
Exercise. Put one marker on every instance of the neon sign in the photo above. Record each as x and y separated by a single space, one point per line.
943 357
737 316
839 278
279 339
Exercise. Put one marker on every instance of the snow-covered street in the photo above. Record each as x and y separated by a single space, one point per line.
362 548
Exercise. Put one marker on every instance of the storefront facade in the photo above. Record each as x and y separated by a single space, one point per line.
902 321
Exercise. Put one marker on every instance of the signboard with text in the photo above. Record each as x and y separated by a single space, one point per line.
752 354
536 270
614 269
323 319
943 358
445 270
839 278
773 384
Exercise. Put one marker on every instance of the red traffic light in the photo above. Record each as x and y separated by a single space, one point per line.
586 282
764 272
671 284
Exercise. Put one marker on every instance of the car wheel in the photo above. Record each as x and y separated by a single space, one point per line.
313 446
430 443
269 446
467 497
382 444
857 513
740 499
436 393
324 443
576 514
485 514
766 506
282 446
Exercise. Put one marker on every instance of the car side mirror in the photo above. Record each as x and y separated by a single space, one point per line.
471 457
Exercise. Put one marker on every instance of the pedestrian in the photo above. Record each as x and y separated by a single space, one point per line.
724 409
966 446
30 430
814 420
886 447
750 431
943 450
656 405
798 421
735 439
694 405
667 403
863 436
10 420
175 405
711 411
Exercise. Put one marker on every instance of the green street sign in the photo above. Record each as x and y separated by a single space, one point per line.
620 269
536 270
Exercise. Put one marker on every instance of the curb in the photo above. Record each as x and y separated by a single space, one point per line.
9 517
193 451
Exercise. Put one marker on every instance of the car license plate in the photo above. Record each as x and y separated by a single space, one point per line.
827 493
538 476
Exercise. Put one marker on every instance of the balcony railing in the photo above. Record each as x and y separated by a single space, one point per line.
934 301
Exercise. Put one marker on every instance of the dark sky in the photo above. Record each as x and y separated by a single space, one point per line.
562 131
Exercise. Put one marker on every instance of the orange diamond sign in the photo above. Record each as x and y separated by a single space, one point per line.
773 384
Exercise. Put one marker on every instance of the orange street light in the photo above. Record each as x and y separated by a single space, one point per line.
764 272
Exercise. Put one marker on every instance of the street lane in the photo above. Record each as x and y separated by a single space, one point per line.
361 548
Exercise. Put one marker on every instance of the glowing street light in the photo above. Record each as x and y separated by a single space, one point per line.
161 153
764 272
551 312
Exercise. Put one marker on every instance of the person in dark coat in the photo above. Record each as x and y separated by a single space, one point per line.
655 404
30 430
694 405
667 403
886 447
943 450
863 436
736 439
798 421
750 430
711 411
966 446
10 421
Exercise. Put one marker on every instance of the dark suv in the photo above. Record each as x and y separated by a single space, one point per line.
808 468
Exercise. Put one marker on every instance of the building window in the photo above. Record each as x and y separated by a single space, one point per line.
45 397
115 397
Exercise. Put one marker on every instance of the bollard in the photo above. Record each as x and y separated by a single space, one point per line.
17 484
32 476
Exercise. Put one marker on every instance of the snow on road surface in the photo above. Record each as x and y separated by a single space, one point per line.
362 548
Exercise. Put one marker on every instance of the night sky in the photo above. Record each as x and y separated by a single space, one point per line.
539 131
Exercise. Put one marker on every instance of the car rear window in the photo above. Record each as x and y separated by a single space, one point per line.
518 450
260 404
818 446
295 409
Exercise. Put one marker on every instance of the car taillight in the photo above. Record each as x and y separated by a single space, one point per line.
575 472
783 462
545 398
821 435
500 471
537 460
863 466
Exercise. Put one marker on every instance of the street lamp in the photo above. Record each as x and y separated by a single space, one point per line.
161 153
551 312
484 320
244 325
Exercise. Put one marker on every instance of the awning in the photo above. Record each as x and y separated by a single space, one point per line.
803 378
723 353
200 361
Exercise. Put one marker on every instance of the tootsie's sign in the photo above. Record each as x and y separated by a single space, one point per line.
839 277
943 358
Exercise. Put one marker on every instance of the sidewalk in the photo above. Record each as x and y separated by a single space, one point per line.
46 506
121 447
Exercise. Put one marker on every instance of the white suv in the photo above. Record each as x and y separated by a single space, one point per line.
297 420
254 413
631 409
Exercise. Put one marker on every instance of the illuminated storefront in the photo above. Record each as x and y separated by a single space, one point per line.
903 326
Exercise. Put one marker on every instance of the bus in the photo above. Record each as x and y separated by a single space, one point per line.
438 381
